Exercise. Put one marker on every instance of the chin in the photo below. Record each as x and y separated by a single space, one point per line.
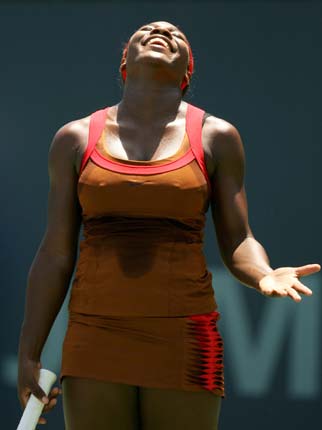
154 57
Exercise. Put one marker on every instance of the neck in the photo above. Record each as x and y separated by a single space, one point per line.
145 101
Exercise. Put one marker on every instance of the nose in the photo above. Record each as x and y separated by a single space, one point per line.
161 30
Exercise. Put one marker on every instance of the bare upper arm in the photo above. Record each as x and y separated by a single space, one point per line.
63 209
228 203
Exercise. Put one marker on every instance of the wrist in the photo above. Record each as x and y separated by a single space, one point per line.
27 354
261 278
27 351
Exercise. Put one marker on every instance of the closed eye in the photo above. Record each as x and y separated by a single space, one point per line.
146 28
174 32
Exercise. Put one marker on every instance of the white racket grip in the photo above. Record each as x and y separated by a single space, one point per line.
34 406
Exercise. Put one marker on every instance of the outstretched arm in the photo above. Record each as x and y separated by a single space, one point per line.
242 254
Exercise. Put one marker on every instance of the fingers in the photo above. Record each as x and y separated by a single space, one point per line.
285 292
284 282
47 408
38 392
28 375
290 291
294 290
52 399
293 294
308 269
52 403
302 288
26 393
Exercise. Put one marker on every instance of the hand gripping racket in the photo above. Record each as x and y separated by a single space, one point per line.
35 406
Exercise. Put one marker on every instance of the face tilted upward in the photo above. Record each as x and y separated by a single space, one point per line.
160 41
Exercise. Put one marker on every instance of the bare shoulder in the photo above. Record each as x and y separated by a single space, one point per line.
221 133
70 141
223 141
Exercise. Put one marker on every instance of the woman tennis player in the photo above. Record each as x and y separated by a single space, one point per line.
142 347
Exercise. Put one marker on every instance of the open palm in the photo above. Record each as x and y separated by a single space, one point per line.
284 281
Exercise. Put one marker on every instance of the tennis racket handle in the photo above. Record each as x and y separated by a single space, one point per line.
35 406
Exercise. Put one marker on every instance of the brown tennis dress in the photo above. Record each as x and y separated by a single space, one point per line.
142 309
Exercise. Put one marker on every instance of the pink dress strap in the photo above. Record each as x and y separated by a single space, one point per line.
194 124
96 126
194 120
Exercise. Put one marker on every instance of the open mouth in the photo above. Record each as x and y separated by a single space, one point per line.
159 41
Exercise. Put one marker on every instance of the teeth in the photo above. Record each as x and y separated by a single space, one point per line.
156 39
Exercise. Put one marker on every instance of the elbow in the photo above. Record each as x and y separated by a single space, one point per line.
229 245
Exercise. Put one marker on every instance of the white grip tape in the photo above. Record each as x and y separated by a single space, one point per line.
34 406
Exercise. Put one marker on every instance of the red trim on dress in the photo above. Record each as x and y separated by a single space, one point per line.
207 359
194 117
148 169
194 131
96 125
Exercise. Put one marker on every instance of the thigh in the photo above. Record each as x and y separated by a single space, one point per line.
165 409
99 405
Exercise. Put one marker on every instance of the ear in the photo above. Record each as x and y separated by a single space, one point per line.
187 77
122 65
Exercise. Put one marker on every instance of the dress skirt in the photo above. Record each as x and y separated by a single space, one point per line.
184 352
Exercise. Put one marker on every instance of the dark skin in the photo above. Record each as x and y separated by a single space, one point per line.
147 124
